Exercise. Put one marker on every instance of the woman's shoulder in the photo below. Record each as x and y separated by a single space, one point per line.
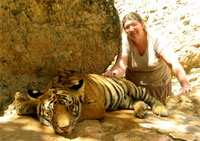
157 40
154 34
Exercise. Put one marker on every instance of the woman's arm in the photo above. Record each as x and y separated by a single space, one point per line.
119 68
169 56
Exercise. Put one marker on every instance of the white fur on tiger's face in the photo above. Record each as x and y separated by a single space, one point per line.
59 109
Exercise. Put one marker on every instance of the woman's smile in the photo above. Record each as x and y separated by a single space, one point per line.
133 28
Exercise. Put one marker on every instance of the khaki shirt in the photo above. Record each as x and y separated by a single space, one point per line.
150 69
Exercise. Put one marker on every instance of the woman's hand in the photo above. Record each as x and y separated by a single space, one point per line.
109 74
186 89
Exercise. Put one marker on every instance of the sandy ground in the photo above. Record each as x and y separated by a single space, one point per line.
22 128
117 125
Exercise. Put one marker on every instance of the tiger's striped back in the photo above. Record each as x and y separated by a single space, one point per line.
119 93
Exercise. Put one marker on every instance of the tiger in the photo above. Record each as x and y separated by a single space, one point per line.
72 97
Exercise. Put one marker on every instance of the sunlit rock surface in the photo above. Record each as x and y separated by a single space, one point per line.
184 119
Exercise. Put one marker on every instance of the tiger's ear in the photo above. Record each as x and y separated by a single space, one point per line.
34 93
77 85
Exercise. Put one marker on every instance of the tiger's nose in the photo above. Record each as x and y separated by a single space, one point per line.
65 128
64 121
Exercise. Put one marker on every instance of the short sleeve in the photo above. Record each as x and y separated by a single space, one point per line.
125 45
161 43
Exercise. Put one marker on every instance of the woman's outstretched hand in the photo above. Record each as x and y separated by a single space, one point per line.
109 74
186 89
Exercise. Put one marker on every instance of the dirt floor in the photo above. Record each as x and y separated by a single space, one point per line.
16 128
117 125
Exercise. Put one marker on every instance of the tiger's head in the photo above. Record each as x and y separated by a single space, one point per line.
60 107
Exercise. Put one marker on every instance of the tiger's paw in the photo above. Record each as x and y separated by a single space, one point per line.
161 110
140 109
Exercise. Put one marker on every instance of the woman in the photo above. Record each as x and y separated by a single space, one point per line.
146 60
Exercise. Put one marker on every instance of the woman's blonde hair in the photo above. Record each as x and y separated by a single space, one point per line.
133 16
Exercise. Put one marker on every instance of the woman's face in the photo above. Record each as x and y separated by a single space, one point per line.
133 28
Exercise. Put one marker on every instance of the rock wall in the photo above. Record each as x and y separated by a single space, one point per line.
40 38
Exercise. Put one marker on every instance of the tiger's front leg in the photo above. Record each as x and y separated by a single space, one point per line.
95 110
25 106
159 109
140 109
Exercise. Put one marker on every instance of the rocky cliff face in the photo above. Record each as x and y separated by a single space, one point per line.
40 38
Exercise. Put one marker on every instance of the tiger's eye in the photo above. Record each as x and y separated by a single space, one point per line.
69 102
61 102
